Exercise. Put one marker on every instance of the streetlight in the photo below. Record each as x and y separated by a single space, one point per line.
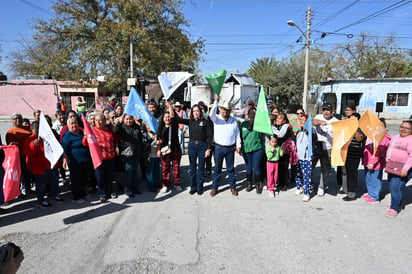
307 36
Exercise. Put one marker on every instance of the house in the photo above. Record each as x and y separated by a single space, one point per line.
23 95
393 96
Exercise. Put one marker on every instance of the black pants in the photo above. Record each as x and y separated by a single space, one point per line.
352 165
78 175
283 172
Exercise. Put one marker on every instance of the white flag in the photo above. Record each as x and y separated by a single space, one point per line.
170 81
52 148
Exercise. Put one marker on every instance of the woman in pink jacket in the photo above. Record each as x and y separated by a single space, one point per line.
400 152
374 166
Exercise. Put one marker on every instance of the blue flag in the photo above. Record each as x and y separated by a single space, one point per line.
136 107
308 127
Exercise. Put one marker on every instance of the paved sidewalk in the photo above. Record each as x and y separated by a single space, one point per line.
179 233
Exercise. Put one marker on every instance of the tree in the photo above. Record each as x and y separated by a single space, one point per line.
372 57
87 38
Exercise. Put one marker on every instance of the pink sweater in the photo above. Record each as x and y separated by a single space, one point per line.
378 161
400 150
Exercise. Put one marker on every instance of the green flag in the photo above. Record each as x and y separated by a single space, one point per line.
216 80
262 120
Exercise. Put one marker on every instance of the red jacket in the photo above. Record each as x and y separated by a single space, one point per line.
35 160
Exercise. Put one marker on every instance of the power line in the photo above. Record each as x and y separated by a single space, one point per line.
37 7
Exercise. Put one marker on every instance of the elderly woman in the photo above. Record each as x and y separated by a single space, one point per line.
108 143
130 147
77 158
92 116
399 156
253 149
201 138
167 135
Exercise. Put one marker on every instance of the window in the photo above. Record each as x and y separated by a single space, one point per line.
397 99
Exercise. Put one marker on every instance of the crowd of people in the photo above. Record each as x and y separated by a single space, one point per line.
132 151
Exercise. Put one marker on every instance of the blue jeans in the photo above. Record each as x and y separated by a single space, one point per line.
181 136
228 154
197 162
397 185
131 170
253 161
373 181
104 175
153 174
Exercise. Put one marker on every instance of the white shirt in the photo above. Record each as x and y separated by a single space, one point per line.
325 133
57 126
226 133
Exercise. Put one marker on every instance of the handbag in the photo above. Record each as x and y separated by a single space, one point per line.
392 166
167 149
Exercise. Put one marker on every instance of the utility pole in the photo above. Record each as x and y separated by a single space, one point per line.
305 82
131 58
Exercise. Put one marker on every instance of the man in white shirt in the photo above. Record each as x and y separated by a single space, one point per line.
226 138
324 132
60 121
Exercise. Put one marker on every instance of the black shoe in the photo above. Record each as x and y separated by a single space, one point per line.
103 199
341 192
192 191
200 192
348 199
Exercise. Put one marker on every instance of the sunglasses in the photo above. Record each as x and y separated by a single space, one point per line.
298 113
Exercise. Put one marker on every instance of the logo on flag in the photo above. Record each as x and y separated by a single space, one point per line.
11 180
373 128
52 148
343 132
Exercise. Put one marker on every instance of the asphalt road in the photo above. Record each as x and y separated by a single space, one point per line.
179 233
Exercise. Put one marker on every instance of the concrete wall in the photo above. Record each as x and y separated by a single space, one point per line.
38 96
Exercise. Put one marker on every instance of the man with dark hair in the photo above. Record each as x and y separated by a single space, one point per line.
81 107
17 135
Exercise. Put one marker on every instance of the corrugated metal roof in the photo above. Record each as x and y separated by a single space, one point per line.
241 79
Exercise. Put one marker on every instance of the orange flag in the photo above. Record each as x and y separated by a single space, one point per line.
373 128
343 132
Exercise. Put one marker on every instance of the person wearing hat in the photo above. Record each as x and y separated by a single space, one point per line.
226 138
111 104
324 131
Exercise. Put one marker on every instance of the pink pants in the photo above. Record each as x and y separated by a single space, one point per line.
272 174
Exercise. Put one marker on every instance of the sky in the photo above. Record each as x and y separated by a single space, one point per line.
237 32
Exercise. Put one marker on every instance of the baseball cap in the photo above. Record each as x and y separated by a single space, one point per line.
327 106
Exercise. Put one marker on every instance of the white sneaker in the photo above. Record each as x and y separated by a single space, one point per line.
271 194
298 191
306 198
163 189
321 192
265 187
178 188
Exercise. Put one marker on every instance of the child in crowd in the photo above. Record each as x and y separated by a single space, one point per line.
273 154
374 166
304 166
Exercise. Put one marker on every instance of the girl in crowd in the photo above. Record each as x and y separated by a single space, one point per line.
399 154
253 149
273 154
304 166
283 132
167 135
374 167
355 150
